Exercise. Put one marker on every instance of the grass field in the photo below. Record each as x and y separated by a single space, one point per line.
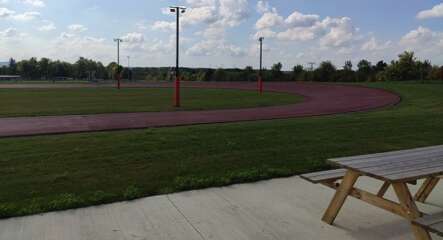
39 174
41 102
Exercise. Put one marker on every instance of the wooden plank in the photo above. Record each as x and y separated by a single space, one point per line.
437 229
324 176
402 160
374 200
383 189
430 171
432 223
430 219
340 196
406 201
388 154
426 190
391 169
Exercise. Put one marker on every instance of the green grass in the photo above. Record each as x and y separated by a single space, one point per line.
40 102
39 174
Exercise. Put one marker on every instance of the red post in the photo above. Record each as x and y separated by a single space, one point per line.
260 84
118 81
177 91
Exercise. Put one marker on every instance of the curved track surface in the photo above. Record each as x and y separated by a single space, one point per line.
320 99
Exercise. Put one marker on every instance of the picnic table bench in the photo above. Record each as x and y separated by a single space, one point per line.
396 169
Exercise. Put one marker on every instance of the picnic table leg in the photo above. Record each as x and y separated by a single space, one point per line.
411 210
381 193
340 196
426 189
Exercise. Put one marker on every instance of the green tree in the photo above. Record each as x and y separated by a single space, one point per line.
348 66
325 72
276 71
297 72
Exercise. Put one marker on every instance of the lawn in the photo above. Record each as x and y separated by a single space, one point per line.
39 174
40 102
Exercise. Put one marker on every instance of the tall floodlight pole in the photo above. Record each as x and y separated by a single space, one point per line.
118 41
177 10
260 74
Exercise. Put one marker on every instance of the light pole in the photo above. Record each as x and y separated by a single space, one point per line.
118 40
177 10
260 74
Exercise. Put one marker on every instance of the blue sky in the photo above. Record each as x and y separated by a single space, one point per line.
222 33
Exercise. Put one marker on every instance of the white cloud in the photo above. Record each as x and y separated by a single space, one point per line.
34 3
77 28
269 20
9 33
133 40
164 26
297 34
373 45
5 13
341 32
215 48
26 16
47 27
435 12
421 35
297 19
262 7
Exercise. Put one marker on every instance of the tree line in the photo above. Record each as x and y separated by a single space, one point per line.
406 67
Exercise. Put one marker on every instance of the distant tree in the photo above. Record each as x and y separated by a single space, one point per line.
44 66
348 66
276 71
220 75
297 71
326 72
380 66
12 66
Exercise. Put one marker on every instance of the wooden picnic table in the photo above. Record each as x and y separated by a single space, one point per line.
394 168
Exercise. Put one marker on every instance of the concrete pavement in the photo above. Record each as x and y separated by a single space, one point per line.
278 209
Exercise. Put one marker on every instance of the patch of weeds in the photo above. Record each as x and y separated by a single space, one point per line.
132 192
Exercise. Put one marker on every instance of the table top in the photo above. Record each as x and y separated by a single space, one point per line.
398 166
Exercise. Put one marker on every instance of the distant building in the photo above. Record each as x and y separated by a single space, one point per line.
9 77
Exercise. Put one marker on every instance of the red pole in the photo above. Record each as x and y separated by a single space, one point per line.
118 81
177 91
260 84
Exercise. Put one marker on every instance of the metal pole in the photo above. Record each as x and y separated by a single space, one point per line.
260 75
118 40
177 70
177 10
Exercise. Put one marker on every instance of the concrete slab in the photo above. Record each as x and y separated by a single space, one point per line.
278 209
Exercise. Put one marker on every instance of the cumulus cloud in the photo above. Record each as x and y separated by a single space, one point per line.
9 33
26 16
435 12
297 19
269 20
34 3
5 13
373 45
421 35
77 28
47 27
164 25
215 47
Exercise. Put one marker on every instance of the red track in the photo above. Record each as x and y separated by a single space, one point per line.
320 99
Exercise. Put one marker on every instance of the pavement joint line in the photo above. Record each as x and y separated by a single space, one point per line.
186 218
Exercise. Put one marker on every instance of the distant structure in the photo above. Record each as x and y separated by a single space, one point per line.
311 64
10 77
